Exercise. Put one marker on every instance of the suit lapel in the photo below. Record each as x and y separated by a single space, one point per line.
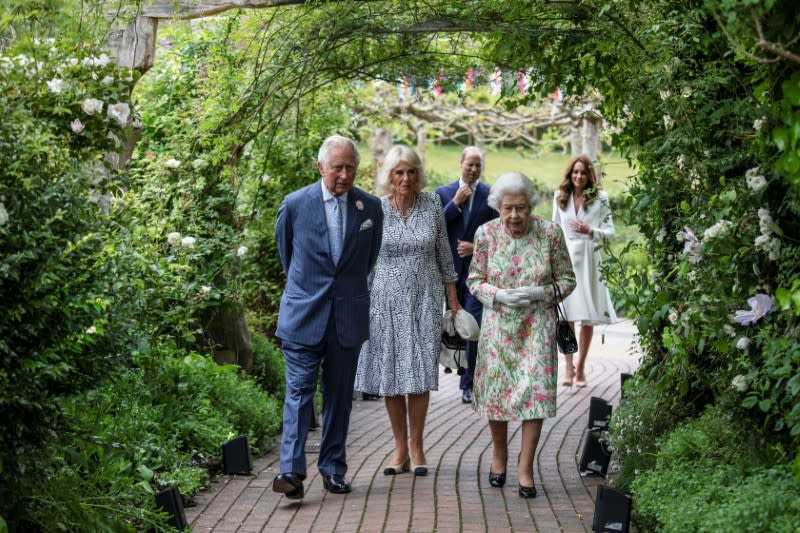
353 221
316 218
477 205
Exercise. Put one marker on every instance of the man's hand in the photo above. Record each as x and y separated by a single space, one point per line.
464 248
462 194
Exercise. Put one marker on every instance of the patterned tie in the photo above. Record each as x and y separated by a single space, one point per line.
337 233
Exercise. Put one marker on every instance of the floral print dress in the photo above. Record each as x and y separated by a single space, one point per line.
516 373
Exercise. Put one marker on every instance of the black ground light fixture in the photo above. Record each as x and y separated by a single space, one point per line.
236 456
599 414
612 511
595 457
169 500
623 377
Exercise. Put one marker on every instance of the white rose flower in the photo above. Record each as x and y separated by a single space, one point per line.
668 122
743 343
76 126
108 80
188 242
756 182
199 164
91 330
758 123
664 94
242 251
673 316
739 383
172 163
92 106
205 289
774 249
686 92
3 214
681 161
265 179
120 112
56 85
764 222
762 243
174 238
720 228
93 61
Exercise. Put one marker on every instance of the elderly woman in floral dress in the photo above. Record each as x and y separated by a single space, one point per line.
517 259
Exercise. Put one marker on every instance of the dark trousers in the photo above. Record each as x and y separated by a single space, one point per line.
338 376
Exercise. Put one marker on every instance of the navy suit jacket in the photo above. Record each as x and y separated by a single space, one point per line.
456 230
315 286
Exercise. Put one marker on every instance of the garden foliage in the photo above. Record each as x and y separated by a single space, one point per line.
102 402
118 284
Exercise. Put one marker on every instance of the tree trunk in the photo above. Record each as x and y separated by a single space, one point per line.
422 141
232 344
575 145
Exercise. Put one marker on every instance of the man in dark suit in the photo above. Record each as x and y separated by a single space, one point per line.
465 209
328 235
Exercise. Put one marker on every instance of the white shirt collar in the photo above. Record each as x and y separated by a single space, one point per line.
473 186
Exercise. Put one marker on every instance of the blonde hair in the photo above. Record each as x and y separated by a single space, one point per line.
399 154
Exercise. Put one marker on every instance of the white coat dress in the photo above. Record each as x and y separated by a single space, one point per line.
590 302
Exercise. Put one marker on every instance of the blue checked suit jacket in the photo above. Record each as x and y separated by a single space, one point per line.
315 286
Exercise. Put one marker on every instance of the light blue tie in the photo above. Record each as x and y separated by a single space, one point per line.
337 233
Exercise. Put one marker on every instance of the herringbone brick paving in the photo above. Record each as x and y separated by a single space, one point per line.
455 496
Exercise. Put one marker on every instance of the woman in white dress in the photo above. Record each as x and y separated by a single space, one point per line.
400 361
582 210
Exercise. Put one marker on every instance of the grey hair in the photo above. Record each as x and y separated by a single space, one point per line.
399 154
512 183
336 140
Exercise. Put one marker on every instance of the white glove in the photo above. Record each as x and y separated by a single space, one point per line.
512 298
533 293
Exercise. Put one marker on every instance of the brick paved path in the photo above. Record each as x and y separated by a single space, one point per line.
455 496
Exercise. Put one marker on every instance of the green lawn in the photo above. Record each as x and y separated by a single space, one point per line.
442 164
547 169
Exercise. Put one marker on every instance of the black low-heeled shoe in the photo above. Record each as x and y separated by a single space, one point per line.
526 492
497 480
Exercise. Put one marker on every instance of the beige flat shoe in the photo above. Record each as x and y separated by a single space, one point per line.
393 470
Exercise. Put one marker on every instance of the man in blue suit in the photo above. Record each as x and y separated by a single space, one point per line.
328 235
465 209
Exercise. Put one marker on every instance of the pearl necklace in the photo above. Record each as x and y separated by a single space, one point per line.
403 212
